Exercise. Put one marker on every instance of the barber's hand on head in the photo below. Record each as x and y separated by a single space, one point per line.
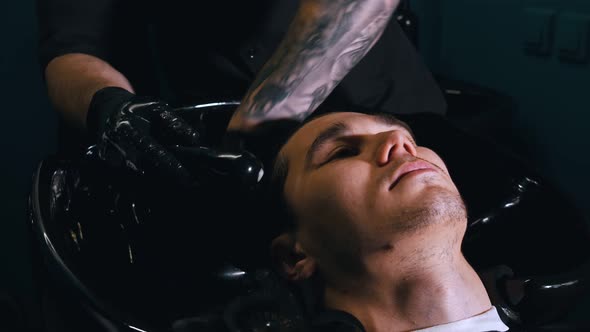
132 131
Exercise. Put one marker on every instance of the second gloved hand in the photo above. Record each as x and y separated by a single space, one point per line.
132 131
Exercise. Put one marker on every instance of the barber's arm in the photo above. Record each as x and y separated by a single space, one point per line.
76 43
128 129
325 40
73 79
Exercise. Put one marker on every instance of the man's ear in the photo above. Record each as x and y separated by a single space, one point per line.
291 259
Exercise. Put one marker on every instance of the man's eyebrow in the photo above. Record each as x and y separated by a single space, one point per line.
328 134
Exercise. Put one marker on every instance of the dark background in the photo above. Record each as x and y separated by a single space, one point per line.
478 41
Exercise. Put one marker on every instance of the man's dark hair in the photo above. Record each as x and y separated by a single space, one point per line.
277 212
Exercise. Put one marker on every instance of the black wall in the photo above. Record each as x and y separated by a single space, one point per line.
27 133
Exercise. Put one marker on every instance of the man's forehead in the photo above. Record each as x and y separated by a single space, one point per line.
300 142
304 137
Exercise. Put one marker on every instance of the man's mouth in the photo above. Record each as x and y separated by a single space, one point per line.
408 168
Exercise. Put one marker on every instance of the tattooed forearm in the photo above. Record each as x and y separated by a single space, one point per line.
358 48
326 39
318 96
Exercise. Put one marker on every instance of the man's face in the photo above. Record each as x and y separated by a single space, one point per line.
357 183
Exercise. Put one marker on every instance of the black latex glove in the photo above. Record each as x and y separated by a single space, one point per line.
132 132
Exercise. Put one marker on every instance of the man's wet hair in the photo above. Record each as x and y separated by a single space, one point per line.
273 136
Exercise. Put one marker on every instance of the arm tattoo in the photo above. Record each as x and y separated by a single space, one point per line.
358 48
318 96
326 39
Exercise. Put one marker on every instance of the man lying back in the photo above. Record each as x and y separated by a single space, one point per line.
380 221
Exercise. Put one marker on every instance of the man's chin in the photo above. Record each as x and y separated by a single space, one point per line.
435 206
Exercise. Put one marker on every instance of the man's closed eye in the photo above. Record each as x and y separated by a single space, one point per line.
342 153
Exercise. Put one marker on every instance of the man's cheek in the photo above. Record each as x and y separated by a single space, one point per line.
432 157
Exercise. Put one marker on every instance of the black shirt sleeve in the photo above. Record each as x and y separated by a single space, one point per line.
392 77
74 26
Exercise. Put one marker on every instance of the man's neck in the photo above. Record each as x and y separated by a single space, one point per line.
433 289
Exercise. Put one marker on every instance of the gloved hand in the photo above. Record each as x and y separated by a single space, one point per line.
132 132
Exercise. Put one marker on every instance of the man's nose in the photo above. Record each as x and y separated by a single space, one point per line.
393 145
